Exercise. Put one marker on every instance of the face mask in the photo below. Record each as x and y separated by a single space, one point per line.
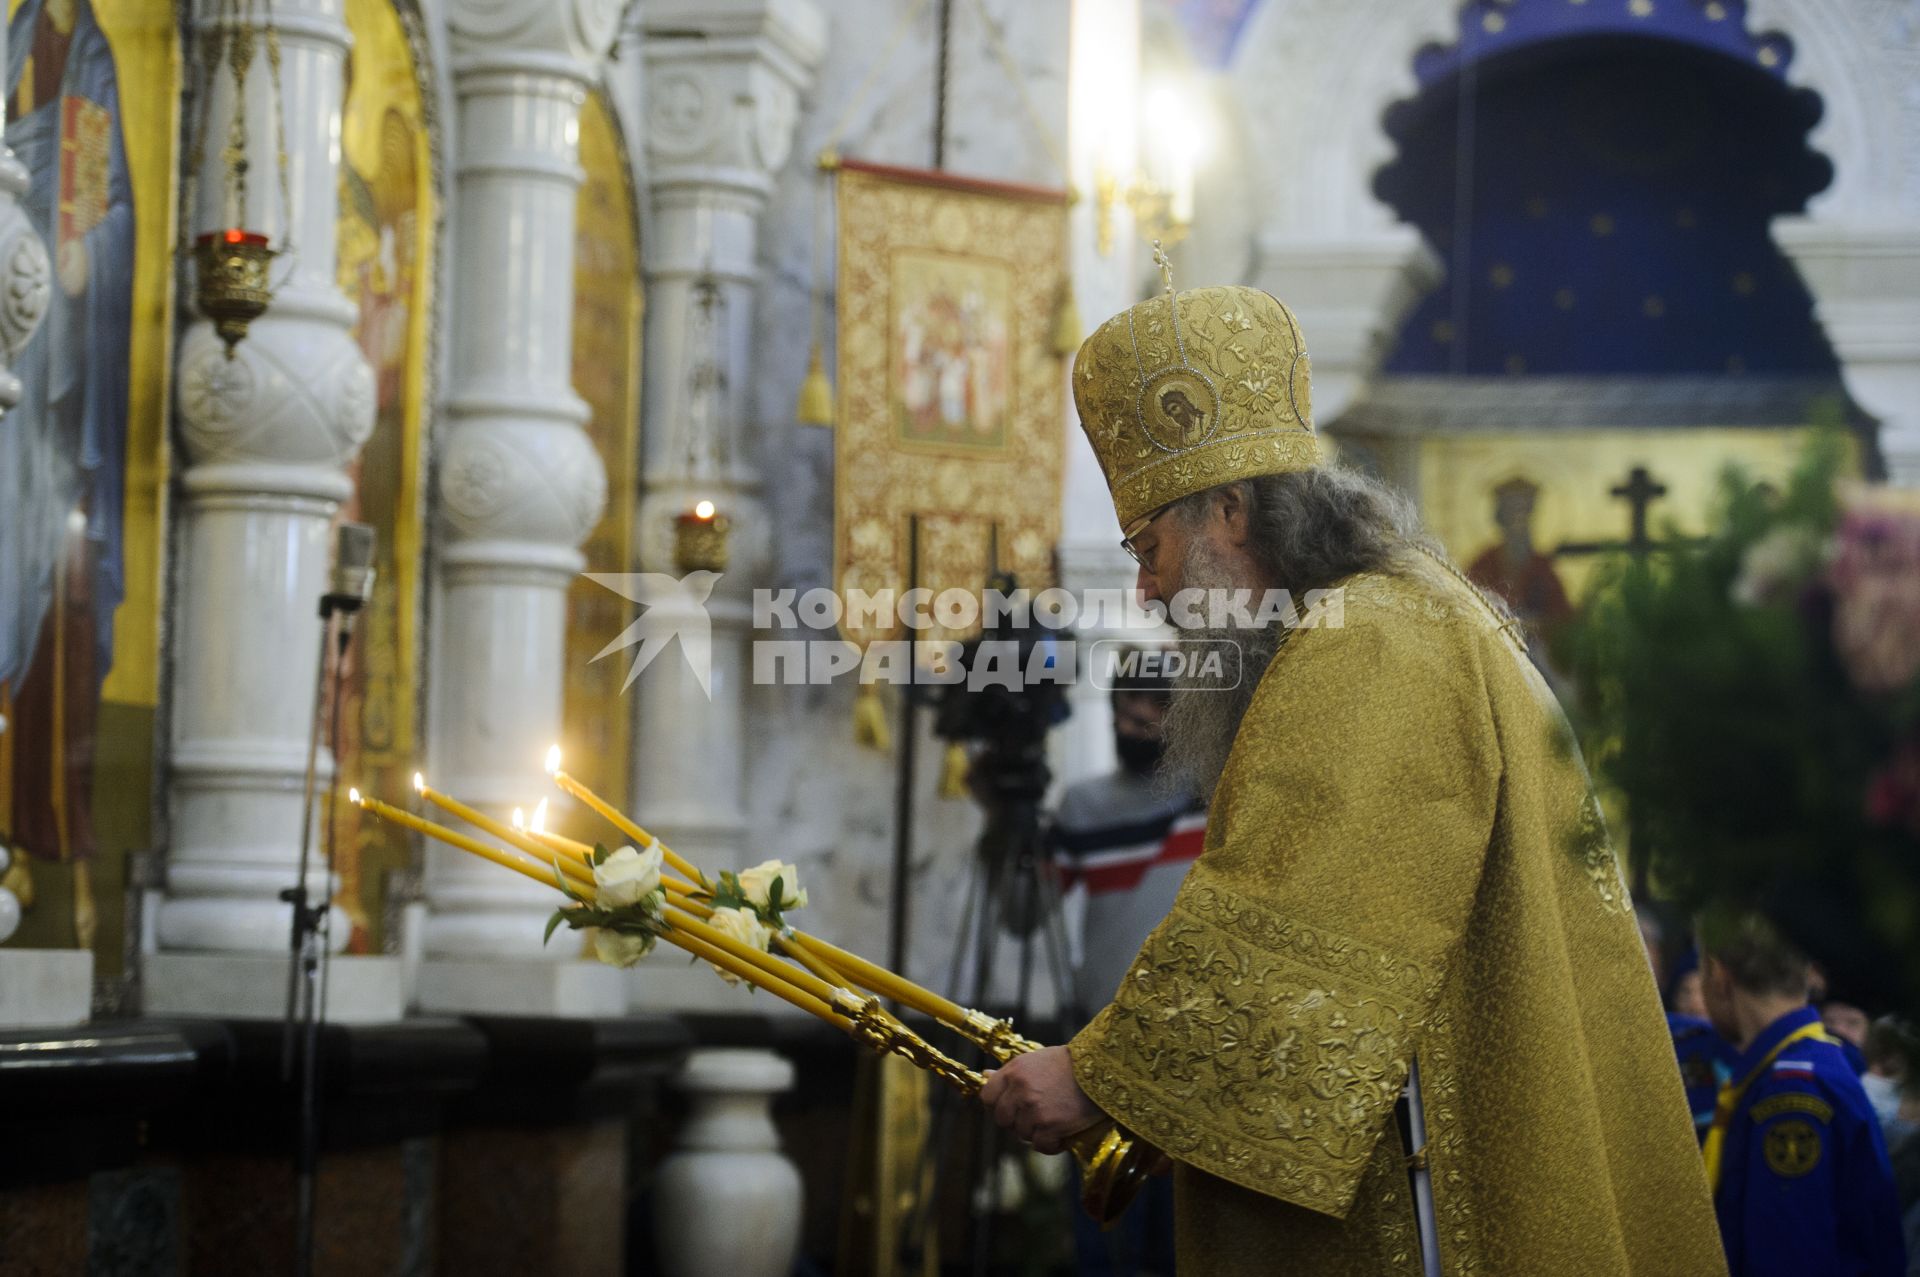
1137 755
1883 1093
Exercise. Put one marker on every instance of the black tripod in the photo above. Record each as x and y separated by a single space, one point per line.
1011 890
309 941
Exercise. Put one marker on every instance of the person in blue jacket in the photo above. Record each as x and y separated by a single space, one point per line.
1706 1064
1706 1058
1799 1169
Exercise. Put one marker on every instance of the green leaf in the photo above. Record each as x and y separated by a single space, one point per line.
600 854
553 924
566 883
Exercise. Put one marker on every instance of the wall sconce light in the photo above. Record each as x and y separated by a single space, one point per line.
1159 193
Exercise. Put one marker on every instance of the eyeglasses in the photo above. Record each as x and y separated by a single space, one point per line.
1127 543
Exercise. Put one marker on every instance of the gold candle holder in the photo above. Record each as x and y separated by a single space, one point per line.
700 539
1114 1163
232 288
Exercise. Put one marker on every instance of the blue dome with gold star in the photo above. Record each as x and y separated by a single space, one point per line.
1599 177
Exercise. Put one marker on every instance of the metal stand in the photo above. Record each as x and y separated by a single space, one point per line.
1012 889
309 942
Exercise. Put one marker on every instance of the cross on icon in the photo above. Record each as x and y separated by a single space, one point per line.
1639 491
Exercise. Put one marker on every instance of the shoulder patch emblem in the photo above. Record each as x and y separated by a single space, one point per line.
1792 1102
1792 1148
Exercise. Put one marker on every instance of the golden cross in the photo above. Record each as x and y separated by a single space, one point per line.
1165 264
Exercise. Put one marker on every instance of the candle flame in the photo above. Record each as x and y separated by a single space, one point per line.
703 510
540 817
353 795
519 819
553 759
419 783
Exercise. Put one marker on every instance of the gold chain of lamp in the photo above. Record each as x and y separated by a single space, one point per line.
232 284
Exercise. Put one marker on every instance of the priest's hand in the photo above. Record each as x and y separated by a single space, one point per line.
1034 1096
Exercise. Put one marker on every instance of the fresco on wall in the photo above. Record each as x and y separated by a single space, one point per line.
385 245
596 718
83 461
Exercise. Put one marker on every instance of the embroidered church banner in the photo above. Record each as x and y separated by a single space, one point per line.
951 396
385 241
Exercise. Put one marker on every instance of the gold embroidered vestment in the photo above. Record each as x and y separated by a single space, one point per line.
1405 859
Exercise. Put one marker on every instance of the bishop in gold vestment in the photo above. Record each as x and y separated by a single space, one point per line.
1404 862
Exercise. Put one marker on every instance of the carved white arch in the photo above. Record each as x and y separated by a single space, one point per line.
1316 77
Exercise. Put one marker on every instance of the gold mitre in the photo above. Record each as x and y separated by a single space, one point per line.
1190 390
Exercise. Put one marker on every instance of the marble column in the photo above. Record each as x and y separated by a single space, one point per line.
1350 292
520 486
723 81
1865 281
266 434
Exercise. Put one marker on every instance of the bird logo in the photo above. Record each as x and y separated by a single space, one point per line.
670 608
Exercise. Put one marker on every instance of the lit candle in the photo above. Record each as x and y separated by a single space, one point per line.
801 988
486 851
641 838
869 976
539 832
499 829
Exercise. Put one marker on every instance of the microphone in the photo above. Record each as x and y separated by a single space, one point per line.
353 574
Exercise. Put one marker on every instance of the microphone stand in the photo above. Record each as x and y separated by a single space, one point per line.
309 947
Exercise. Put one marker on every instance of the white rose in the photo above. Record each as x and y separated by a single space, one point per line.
627 877
757 883
1778 564
742 925
618 949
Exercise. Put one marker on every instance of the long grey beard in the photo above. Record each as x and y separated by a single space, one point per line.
1203 717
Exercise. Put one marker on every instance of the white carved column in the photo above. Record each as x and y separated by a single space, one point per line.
520 486
1350 292
1857 246
1314 80
723 83
1865 281
266 434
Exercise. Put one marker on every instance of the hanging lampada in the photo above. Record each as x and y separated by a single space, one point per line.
700 532
232 287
